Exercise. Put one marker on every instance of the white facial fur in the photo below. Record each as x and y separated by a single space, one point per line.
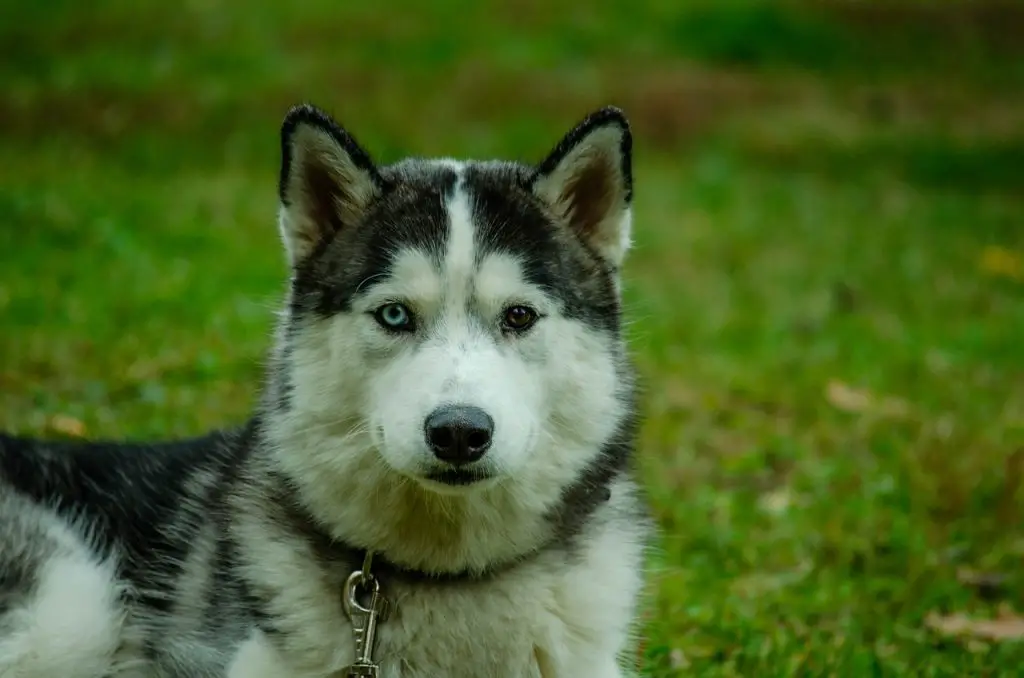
459 354
360 397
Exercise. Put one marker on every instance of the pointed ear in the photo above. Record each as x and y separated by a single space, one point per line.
587 180
327 181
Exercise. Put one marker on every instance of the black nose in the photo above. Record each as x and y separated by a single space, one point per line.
459 434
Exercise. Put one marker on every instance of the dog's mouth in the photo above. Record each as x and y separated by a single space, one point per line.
457 477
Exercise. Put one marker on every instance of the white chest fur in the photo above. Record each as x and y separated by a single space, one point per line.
570 615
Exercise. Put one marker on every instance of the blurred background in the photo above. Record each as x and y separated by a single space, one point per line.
826 296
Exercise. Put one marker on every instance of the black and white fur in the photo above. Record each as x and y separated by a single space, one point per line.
414 288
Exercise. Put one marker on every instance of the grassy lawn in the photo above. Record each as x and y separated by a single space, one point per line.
826 296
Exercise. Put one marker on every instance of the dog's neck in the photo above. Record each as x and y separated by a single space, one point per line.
350 557
360 504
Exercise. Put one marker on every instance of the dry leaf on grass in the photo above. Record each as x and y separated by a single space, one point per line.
69 426
776 502
849 399
758 584
677 659
1007 626
1000 262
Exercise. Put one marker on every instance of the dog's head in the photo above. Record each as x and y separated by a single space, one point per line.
457 323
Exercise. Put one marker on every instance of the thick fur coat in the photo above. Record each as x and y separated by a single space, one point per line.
448 390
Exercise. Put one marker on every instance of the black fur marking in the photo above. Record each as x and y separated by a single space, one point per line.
228 589
126 492
581 499
510 219
609 115
19 569
410 215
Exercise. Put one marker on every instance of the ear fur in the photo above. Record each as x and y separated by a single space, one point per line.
327 181
587 180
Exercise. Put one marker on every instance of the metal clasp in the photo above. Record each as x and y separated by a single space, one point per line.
364 619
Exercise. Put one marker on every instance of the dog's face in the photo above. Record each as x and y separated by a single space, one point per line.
455 323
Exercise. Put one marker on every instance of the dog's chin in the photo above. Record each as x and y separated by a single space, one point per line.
456 480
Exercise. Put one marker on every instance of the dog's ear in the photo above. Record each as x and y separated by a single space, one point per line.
588 182
327 181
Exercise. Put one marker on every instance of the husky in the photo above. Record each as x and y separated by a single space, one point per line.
436 481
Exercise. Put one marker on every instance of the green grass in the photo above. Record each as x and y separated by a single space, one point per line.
817 187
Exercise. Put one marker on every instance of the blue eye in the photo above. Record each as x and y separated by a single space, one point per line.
395 317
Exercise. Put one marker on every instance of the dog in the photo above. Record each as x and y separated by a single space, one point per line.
437 478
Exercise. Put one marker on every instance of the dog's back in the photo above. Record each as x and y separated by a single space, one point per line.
121 493
88 531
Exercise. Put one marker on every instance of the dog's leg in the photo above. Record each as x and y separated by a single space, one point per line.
69 626
60 608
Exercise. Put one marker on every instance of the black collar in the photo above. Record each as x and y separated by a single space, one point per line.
339 553
387 570
335 553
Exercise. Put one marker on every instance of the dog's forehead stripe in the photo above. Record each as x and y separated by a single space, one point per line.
478 278
510 224
460 255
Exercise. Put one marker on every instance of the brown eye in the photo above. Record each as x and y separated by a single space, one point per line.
519 318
